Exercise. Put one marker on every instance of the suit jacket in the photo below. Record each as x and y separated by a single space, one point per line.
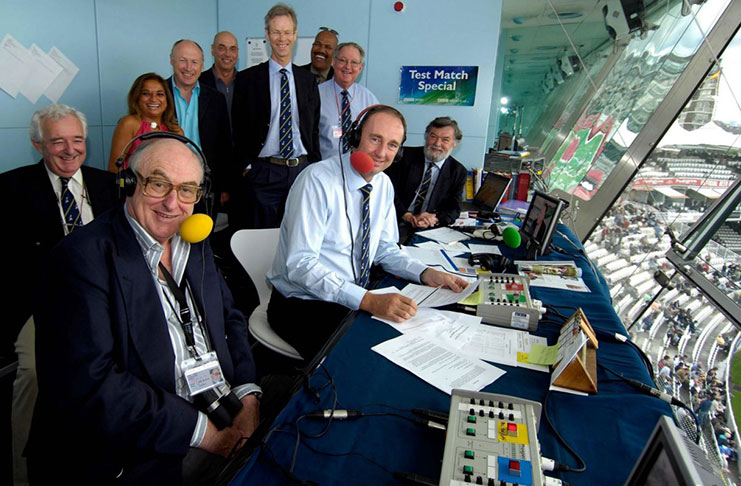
251 112
105 364
35 227
445 200
329 74
216 140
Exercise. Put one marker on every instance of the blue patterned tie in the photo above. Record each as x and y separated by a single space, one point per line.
72 217
365 236
419 201
286 123
346 117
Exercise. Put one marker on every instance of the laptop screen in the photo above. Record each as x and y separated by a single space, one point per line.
491 191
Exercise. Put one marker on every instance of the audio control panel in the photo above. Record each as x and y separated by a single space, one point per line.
505 301
491 440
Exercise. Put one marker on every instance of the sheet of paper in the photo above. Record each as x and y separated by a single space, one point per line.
60 84
443 235
431 257
386 290
473 299
479 248
567 354
453 249
553 275
442 368
543 355
525 341
426 296
15 65
257 50
43 71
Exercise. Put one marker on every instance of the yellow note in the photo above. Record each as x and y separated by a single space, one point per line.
543 355
473 299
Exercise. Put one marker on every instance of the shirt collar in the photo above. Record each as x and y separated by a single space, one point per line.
354 180
274 67
152 250
439 165
176 90
339 89
77 176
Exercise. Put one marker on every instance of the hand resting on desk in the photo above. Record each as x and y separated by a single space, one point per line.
399 308
423 220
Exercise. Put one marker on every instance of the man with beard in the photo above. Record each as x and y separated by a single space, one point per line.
428 182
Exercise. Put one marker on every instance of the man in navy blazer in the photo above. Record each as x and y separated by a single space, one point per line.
35 224
271 150
113 340
428 181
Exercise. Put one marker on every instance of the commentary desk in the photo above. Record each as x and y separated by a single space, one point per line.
608 430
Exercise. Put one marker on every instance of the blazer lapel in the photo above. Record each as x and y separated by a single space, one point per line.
146 322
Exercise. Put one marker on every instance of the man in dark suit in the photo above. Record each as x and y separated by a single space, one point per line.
276 126
202 114
221 76
322 51
129 321
428 182
39 196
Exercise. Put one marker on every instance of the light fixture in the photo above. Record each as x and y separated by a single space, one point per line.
504 100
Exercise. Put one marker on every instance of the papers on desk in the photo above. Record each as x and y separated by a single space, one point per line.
426 296
464 333
562 275
455 248
476 248
442 368
443 235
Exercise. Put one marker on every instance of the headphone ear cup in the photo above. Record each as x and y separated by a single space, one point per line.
353 135
127 182
399 154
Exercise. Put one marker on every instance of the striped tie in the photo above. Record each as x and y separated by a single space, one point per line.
72 217
423 188
365 236
286 123
346 120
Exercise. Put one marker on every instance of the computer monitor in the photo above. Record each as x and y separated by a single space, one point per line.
539 223
491 192
670 458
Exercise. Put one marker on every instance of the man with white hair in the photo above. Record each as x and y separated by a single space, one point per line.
50 199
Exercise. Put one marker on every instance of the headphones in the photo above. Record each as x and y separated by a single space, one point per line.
126 179
491 262
356 129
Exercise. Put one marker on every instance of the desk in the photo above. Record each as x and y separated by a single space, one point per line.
608 430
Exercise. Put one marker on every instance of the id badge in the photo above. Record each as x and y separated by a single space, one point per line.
202 374
336 131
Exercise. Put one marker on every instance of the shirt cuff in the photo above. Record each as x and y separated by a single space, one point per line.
351 295
247 389
200 430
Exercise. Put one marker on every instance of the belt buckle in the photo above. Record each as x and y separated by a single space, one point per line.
293 162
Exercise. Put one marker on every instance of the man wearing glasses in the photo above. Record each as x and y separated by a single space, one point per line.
276 123
322 51
342 99
49 200
129 317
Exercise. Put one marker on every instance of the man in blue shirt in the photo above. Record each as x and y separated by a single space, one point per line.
338 222
342 99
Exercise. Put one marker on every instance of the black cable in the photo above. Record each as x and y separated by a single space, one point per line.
655 392
582 465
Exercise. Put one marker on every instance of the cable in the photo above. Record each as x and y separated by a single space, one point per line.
582 465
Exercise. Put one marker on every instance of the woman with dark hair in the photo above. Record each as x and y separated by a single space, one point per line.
151 108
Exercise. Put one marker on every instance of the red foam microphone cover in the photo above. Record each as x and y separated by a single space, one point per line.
361 162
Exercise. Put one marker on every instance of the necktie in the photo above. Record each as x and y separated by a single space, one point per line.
423 188
286 123
345 118
365 236
71 212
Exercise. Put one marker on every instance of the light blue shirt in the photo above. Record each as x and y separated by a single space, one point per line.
330 122
187 112
272 142
314 258
436 168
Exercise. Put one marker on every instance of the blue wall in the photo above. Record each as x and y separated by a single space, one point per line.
112 42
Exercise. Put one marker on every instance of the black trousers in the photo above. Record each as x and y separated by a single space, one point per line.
305 324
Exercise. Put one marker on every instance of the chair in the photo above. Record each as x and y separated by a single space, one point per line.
255 250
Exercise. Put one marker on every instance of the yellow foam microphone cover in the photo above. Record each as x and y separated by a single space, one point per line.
196 228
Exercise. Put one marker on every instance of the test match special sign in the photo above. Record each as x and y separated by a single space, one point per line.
438 85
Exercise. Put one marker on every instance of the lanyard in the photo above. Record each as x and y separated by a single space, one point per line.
337 101
183 315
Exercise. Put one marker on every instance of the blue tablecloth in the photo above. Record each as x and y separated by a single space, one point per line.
608 429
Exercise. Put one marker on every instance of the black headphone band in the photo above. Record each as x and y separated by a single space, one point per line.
126 179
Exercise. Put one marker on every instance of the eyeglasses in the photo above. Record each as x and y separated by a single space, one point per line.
327 29
354 64
158 187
